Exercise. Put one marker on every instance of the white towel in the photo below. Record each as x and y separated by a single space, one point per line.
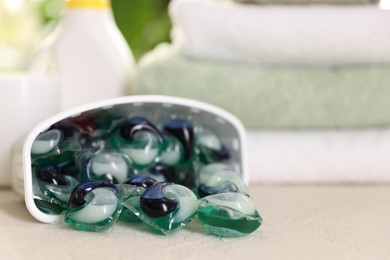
337 156
277 34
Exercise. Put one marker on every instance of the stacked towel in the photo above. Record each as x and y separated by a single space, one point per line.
312 82
308 35
273 97
322 156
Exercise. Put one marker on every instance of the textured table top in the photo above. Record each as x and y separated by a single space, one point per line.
300 222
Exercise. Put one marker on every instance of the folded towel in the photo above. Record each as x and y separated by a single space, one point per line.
292 2
273 96
319 156
312 34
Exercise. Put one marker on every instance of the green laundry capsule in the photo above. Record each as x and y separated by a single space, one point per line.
164 206
93 206
228 214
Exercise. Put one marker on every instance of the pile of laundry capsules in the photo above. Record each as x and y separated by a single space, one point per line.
96 171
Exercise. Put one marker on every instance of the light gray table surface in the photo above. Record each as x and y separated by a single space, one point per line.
300 222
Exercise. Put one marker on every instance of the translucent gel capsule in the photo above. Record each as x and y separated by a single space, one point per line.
66 128
209 147
55 187
140 181
109 167
179 143
164 206
82 162
143 150
162 172
63 155
159 172
217 178
94 143
185 175
139 140
71 170
133 188
48 207
228 215
208 170
109 120
46 142
63 192
93 206
173 152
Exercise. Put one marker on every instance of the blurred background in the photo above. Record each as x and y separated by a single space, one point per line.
329 91
24 23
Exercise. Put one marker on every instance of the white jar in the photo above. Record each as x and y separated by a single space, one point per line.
90 55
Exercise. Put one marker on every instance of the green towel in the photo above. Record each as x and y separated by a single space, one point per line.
273 97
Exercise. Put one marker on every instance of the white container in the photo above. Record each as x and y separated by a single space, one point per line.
89 53
226 126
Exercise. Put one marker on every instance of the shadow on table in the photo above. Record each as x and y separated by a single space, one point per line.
18 210
15 207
